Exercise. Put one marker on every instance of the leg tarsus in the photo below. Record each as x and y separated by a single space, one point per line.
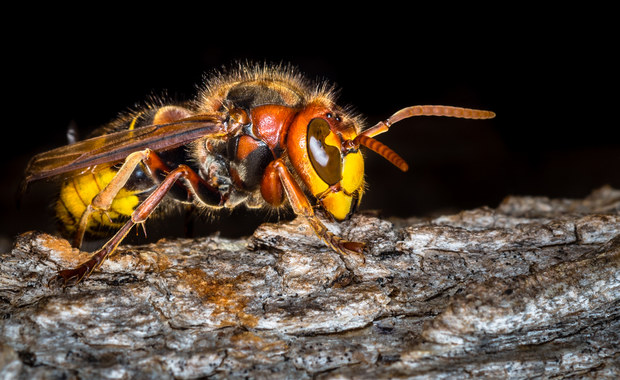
71 277
346 249
353 248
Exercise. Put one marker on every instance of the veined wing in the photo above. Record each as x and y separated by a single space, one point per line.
116 146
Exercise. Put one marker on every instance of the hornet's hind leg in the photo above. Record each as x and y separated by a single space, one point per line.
139 215
102 202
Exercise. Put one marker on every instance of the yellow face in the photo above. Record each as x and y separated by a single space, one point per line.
333 174
343 199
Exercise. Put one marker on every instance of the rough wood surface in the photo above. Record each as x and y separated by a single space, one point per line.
528 289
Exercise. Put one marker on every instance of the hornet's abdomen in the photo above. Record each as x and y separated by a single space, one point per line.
78 192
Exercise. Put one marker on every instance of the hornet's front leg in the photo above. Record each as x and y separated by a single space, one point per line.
301 206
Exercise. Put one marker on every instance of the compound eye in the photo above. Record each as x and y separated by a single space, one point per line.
325 159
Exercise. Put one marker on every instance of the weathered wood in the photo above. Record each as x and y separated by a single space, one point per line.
528 289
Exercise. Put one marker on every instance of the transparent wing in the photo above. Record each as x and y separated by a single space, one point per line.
116 146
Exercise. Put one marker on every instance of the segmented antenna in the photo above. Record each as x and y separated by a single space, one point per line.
366 138
449 111
383 150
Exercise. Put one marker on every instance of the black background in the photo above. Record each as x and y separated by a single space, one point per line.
550 78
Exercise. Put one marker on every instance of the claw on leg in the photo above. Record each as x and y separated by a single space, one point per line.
71 277
346 249
354 247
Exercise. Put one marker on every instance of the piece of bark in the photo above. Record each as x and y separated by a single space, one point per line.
528 289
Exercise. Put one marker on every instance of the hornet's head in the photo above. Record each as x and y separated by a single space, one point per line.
321 149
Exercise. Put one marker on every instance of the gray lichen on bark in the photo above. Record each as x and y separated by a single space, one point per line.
530 288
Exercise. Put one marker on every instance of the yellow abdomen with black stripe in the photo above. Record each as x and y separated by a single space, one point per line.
78 192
